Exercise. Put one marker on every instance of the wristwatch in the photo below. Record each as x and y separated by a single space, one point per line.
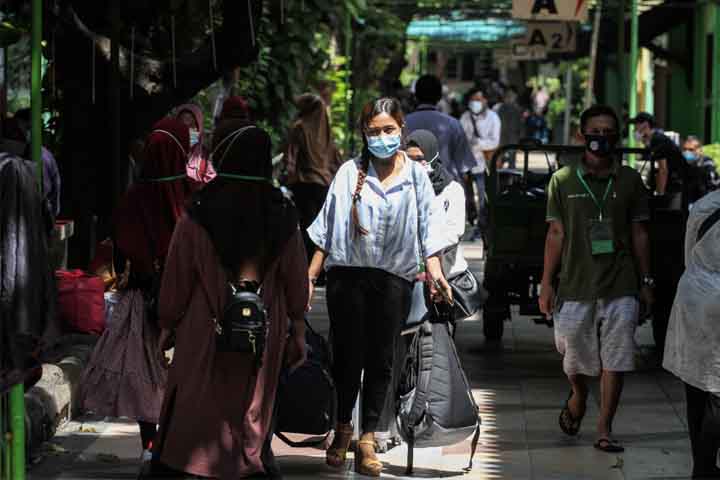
648 281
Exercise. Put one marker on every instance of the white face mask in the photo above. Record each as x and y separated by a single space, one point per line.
639 136
194 137
477 107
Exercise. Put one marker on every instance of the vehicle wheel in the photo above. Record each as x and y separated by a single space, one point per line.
493 325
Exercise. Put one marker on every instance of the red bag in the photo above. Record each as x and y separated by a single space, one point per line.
81 301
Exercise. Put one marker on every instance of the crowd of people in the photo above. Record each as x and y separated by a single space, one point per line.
203 220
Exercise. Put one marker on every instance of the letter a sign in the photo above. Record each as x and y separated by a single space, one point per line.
550 10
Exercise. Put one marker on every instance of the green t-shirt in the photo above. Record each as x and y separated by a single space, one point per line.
584 276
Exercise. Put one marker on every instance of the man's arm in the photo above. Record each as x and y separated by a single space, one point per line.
553 254
661 177
641 247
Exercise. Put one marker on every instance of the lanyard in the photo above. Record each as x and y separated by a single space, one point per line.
592 195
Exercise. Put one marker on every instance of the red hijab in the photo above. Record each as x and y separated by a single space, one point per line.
146 217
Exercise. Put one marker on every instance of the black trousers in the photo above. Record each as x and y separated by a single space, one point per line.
704 435
367 308
309 199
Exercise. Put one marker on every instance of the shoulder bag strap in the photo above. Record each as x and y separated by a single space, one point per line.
708 223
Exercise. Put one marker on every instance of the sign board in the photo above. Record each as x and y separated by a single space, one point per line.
551 10
555 37
522 51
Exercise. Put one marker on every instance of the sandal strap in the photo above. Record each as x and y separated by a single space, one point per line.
367 442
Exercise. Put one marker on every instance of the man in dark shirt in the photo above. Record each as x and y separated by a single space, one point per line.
671 166
454 148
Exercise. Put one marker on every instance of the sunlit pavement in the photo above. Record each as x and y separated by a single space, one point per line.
520 389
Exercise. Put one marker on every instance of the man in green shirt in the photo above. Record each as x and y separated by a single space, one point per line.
597 239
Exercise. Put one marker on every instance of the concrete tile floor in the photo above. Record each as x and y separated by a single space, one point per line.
520 388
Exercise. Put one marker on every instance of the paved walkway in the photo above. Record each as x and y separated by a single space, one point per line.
520 388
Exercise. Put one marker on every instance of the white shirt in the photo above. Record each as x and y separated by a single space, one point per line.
488 126
397 218
448 228
692 348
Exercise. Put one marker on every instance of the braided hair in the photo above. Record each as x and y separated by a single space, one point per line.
387 105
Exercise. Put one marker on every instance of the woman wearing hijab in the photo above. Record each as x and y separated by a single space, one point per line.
217 413
126 375
234 108
448 206
199 167
311 159
371 235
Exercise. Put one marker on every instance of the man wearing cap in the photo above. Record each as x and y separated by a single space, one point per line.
668 159
597 245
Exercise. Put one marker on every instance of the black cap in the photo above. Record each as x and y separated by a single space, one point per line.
643 117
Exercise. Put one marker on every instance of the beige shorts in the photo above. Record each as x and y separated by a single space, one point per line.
596 336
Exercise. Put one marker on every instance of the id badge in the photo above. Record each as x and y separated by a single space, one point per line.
601 237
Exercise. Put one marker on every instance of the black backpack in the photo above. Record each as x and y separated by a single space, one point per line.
244 324
435 403
306 402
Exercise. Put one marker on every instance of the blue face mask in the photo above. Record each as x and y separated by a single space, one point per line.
690 156
384 146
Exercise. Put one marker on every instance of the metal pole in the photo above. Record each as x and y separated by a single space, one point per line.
621 54
568 104
634 47
593 55
36 93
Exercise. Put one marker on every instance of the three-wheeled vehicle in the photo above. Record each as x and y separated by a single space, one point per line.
517 228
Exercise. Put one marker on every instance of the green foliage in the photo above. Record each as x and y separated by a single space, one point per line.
713 151
556 88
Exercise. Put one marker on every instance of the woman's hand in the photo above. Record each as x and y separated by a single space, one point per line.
296 349
311 292
439 287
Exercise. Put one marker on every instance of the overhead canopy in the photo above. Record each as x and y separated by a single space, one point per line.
491 30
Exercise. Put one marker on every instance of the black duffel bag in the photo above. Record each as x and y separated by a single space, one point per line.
306 401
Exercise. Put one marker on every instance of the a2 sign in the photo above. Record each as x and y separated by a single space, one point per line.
542 38
552 27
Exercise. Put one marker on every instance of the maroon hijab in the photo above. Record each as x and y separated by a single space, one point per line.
146 217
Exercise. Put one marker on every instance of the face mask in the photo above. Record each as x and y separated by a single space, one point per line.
638 136
690 156
477 107
600 145
384 146
194 137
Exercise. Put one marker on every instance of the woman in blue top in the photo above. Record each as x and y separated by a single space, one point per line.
371 236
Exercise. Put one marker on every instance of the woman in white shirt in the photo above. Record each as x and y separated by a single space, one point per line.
371 234
692 348
448 206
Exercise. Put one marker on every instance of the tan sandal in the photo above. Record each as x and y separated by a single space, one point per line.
366 461
336 455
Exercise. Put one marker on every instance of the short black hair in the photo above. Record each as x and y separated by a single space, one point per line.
472 92
428 89
599 111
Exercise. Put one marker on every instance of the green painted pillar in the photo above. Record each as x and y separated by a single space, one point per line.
633 61
17 427
715 134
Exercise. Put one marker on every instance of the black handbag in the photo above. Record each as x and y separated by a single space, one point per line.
306 400
243 327
468 295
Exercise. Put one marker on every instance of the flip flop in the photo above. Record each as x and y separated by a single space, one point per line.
569 424
608 445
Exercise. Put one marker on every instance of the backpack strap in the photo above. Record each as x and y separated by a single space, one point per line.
708 223
473 447
425 352
312 442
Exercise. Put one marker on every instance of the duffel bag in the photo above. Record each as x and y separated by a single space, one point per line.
81 301
306 400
